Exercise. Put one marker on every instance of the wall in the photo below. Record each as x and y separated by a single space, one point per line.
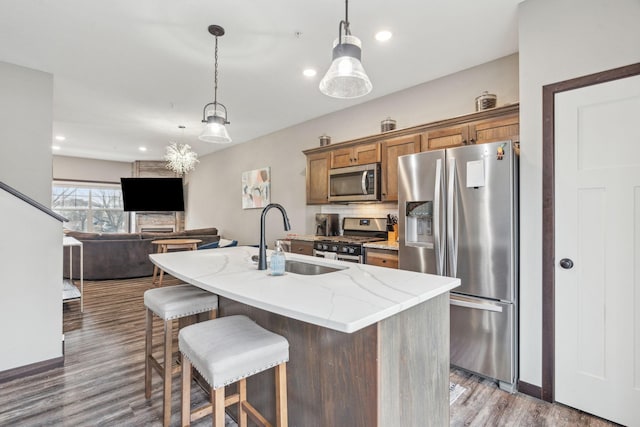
559 40
80 169
31 287
31 244
26 107
214 186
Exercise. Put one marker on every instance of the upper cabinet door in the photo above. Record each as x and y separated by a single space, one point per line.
448 137
361 154
391 150
366 153
318 178
493 130
342 157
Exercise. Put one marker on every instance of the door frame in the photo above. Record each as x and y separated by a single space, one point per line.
546 392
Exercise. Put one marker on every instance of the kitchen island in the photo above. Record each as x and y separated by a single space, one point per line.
369 346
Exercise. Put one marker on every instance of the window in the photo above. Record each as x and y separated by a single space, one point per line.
90 206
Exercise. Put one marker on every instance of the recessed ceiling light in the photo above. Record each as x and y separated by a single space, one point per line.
55 147
383 36
309 72
60 138
142 148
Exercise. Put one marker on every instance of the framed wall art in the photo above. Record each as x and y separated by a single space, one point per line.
256 188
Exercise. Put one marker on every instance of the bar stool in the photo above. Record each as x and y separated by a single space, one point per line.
169 303
229 350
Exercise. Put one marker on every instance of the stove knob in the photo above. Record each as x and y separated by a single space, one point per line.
352 250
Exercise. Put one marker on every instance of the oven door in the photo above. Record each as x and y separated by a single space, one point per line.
340 257
349 258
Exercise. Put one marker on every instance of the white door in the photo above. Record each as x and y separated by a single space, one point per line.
597 199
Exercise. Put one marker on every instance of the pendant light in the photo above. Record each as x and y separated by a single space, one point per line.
214 114
346 77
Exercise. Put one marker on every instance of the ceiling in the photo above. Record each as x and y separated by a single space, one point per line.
128 73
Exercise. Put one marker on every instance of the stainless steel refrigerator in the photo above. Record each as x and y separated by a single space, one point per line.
458 216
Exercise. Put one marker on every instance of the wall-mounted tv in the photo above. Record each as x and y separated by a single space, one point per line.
152 194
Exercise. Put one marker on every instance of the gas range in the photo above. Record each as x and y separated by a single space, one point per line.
348 247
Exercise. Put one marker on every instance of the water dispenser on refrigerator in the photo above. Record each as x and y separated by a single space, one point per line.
419 224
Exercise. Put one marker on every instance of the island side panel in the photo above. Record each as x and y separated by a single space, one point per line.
331 376
414 366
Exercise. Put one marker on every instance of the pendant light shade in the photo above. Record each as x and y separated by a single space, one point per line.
214 114
346 77
215 130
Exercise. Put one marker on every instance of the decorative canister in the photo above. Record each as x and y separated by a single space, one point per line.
485 101
387 124
325 140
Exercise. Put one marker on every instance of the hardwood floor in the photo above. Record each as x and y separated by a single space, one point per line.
102 381
484 404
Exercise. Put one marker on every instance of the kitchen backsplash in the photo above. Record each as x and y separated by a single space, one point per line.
357 210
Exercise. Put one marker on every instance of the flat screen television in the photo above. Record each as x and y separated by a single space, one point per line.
152 194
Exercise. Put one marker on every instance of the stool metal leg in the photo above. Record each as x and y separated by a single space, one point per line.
148 345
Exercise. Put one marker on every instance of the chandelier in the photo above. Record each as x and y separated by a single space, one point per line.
180 158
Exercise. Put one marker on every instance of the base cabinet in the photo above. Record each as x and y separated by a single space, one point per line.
381 257
379 376
302 247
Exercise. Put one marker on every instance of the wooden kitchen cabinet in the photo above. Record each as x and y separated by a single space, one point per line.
391 150
478 132
497 129
302 247
318 178
453 136
361 154
495 124
381 257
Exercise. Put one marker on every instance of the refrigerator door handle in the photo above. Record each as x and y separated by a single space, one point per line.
486 306
452 220
437 232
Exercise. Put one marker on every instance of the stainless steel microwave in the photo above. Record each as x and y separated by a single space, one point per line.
355 183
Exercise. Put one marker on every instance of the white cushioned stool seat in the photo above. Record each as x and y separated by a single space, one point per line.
174 302
227 349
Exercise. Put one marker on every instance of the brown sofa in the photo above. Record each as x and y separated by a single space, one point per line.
123 255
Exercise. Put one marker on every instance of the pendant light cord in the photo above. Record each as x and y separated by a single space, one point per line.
345 23
215 77
346 17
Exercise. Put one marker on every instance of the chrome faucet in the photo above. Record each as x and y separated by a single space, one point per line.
262 254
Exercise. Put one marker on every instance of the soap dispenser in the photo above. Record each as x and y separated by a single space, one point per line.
277 260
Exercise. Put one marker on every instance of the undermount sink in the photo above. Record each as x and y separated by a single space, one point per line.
307 268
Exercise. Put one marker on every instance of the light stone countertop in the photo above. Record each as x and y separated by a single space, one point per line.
305 237
385 244
348 300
